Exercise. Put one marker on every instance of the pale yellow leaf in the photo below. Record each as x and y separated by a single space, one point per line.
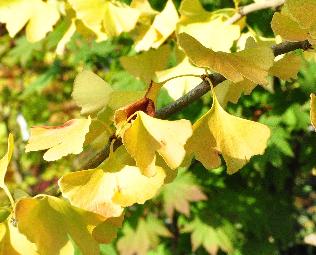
145 65
50 222
148 135
180 86
287 67
228 91
91 92
38 16
91 13
237 139
252 63
60 140
119 18
4 163
163 26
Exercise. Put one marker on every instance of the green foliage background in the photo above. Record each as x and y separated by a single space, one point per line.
267 208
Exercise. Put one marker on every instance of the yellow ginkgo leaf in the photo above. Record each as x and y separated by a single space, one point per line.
91 13
180 86
163 26
106 193
237 139
252 63
287 67
228 91
148 135
71 29
313 110
145 65
39 16
302 11
119 18
91 92
12 242
4 163
60 140
146 11
54 222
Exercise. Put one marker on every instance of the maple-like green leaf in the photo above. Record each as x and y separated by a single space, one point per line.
4 163
61 140
182 85
178 194
50 222
235 138
107 191
212 238
313 110
194 20
147 135
90 92
144 238
287 67
38 16
252 63
164 24
145 65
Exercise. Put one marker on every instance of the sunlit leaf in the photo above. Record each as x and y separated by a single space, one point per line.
106 191
60 140
162 27
4 163
252 63
180 86
148 135
49 222
287 67
90 92
38 16
235 138
145 65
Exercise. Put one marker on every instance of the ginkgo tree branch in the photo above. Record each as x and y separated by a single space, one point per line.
217 78
244 10
192 96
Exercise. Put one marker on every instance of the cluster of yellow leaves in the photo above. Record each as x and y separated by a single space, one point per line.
297 21
45 224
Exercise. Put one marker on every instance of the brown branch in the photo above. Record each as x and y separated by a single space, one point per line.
192 96
244 10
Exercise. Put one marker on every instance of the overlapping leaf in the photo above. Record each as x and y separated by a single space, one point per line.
61 140
287 67
148 135
297 21
208 28
180 86
107 191
252 63
49 222
38 16
163 26
145 65
4 163
236 139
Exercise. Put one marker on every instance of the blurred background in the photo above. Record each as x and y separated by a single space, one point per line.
269 207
